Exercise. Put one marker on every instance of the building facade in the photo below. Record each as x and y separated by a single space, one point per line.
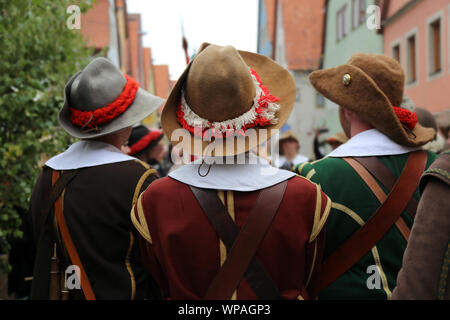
347 33
100 29
290 32
417 34
108 27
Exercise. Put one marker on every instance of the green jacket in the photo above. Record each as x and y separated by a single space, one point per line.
353 204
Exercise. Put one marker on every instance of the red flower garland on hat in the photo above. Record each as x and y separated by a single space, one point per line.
94 118
145 141
261 121
406 117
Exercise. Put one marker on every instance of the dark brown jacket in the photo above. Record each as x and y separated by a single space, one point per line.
425 273
96 205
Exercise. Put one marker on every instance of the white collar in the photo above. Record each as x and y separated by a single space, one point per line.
87 153
370 143
256 174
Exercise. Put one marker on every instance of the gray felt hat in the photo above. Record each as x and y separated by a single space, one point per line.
96 88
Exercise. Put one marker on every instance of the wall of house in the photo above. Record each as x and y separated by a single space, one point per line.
297 118
291 35
162 81
360 39
428 91
95 25
135 47
306 114
395 6
303 21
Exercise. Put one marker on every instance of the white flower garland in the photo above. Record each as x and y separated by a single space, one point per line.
238 123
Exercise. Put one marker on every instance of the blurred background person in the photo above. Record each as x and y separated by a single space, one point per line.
427 120
334 142
146 145
425 271
289 151
443 122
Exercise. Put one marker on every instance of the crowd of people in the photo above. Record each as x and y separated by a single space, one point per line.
115 217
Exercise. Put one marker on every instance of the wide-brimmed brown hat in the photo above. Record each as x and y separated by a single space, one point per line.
288 135
371 85
219 87
100 100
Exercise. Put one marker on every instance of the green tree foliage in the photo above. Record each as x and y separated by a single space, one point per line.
39 53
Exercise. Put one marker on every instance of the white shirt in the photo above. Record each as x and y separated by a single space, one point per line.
370 143
87 153
299 158
255 174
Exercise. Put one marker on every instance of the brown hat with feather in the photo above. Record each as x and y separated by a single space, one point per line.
372 86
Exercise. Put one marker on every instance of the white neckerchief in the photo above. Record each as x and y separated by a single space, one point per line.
370 143
299 158
87 153
256 174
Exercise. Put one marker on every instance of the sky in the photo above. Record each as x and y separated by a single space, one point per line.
222 22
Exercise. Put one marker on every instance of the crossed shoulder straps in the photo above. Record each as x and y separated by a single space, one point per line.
242 244
355 247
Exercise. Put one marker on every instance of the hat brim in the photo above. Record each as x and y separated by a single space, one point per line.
366 99
280 84
340 137
143 105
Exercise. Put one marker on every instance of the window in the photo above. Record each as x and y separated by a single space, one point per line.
436 32
359 12
435 45
362 11
396 52
411 69
341 22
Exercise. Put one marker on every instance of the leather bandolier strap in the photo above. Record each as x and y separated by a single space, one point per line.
45 249
70 247
363 240
243 244
57 188
386 177
378 192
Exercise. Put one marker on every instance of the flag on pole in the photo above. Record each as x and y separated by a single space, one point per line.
184 42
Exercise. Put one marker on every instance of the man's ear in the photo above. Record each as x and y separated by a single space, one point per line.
348 114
